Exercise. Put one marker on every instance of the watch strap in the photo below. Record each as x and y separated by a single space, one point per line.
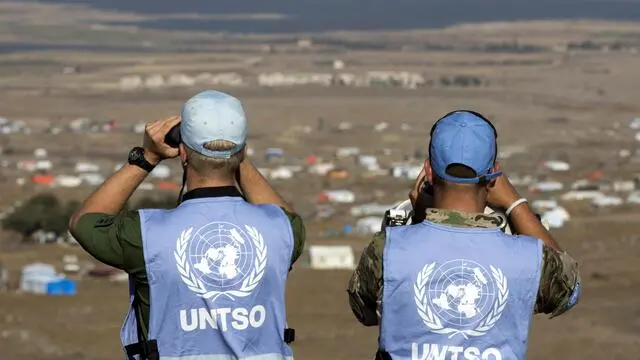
145 165
141 162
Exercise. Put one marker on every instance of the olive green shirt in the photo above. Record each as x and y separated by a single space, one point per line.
117 241
558 278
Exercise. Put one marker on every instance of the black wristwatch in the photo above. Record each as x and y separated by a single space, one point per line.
136 157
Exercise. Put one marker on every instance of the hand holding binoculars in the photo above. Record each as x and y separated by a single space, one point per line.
173 138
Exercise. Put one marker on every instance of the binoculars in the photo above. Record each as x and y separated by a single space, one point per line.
173 138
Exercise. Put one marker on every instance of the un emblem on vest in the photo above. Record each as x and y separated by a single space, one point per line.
221 259
460 297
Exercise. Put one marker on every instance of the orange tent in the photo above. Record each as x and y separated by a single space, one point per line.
595 175
311 159
167 185
42 179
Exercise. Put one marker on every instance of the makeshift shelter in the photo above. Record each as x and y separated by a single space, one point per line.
555 218
338 174
42 279
368 225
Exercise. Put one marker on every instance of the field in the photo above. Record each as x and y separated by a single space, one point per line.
571 105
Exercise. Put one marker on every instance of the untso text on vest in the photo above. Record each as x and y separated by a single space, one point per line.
455 293
217 269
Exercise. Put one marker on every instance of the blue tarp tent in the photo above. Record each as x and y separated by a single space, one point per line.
61 287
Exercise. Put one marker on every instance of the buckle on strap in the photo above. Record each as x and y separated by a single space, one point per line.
289 335
382 355
148 350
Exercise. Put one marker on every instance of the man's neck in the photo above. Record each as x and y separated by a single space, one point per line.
195 182
466 206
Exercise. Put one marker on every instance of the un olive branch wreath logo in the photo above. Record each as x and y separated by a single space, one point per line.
197 286
434 323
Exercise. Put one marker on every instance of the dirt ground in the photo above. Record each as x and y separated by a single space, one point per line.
593 93
603 326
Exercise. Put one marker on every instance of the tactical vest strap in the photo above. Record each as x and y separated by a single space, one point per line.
289 335
382 355
148 350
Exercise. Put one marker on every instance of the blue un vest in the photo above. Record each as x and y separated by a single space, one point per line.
457 293
217 269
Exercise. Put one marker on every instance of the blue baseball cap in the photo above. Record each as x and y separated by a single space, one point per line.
465 138
213 115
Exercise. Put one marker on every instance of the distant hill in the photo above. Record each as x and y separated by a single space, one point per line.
327 15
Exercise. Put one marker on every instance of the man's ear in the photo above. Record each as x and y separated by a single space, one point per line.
242 154
183 154
496 168
428 172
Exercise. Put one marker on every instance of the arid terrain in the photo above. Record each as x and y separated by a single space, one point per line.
559 90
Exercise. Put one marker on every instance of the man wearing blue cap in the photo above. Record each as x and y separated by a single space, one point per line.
455 286
207 279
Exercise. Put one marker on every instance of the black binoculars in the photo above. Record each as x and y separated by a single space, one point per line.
173 138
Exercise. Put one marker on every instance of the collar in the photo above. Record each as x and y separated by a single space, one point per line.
462 219
206 192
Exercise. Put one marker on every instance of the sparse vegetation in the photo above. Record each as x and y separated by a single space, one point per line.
158 202
461 80
46 212
41 212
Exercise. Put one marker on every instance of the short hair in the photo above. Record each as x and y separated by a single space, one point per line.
205 165
460 171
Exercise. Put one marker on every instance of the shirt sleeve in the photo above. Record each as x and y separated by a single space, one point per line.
365 285
112 239
560 284
299 235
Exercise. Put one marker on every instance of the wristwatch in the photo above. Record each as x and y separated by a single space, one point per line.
136 157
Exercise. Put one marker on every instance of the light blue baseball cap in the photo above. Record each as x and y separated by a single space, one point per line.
465 138
213 115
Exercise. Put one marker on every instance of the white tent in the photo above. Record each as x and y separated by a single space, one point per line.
321 169
281 173
347 151
544 204
340 196
161 171
582 195
43 165
555 218
634 197
36 276
547 186
607 201
331 257
86 167
40 153
67 181
92 178
368 225
555 165
367 160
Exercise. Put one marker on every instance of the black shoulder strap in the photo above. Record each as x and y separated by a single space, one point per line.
382 355
136 310
289 335
147 349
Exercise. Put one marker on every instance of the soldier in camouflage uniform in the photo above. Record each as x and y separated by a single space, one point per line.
558 285
365 286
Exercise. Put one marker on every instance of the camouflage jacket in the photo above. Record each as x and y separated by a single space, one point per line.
559 272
